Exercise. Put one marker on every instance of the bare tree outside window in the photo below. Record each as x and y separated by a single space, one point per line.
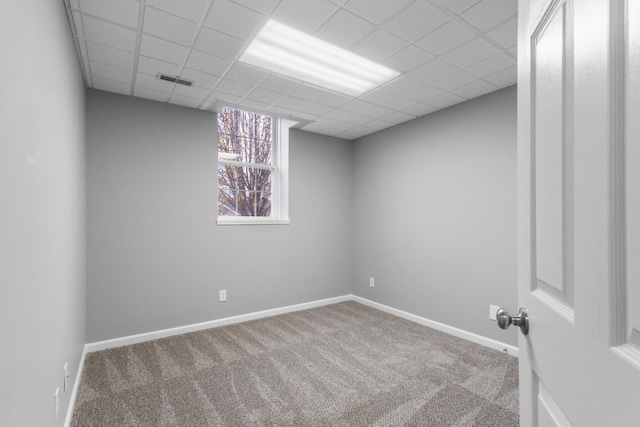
245 166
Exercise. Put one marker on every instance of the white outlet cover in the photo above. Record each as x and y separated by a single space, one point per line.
492 311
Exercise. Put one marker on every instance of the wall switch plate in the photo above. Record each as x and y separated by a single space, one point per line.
222 295
492 311
372 282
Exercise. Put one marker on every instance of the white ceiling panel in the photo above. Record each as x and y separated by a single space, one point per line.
217 43
109 34
189 9
488 14
163 50
344 29
446 51
446 37
376 11
470 53
124 12
170 27
111 86
233 19
109 55
417 20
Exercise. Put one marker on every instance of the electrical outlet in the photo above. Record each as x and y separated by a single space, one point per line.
56 405
492 311
66 377
372 282
222 295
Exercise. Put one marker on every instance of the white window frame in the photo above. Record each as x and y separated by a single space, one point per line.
279 175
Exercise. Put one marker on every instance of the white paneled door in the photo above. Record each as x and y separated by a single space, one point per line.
579 211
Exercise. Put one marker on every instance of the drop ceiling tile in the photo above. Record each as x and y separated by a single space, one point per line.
185 101
310 93
344 29
423 93
279 84
233 87
471 53
262 6
317 109
218 44
445 38
190 9
304 15
349 135
358 106
376 11
111 86
454 80
75 4
403 85
233 19
109 72
200 79
399 103
280 111
504 78
153 82
417 20
124 12
378 124
445 100
506 34
109 55
207 63
409 58
291 103
169 27
345 116
246 74
224 97
379 96
264 95
250 103
433 71
457 6
377 112
419 109
488 14
472 90
192 91
163 50
397 117
334 100
379 45
154 95
109 34
153 66
491 65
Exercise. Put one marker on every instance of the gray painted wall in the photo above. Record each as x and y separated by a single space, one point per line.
435 214
42 228
156 258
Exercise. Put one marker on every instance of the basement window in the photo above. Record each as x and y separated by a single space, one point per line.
253 182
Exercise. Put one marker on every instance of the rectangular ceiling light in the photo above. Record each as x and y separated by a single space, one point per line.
285 50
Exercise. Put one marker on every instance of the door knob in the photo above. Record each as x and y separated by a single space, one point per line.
505 319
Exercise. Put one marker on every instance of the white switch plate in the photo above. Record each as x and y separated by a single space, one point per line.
222 295
492 311
372 282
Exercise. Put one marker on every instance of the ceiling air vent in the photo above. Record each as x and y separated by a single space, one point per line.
173 79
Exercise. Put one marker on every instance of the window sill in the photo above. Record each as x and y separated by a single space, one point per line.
235 220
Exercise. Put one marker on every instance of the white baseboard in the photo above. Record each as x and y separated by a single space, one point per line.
74 391
460 333
148 336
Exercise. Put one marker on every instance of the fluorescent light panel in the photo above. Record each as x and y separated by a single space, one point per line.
285 50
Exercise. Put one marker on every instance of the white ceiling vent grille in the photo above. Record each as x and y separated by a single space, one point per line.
175 79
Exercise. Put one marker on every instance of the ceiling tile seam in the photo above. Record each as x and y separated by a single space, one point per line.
136 55
78 40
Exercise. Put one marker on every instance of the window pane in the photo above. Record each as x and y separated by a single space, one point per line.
244 191
244 136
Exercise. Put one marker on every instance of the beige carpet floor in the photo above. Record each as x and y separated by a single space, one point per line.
339 365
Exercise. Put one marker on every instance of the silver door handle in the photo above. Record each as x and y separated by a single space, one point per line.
505 319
